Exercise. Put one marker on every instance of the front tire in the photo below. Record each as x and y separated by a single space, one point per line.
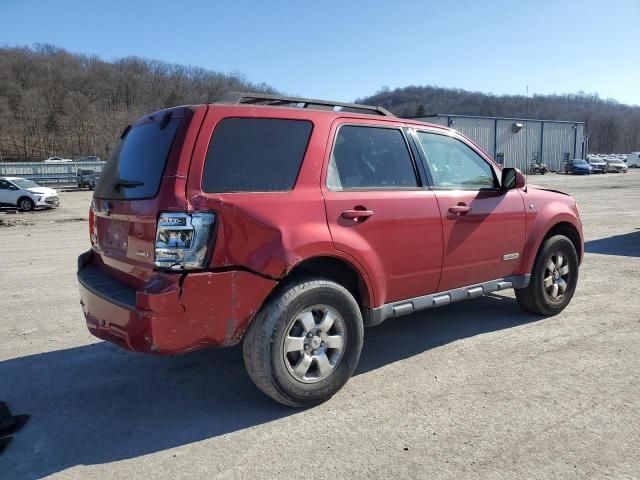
553 279
305 343
25 204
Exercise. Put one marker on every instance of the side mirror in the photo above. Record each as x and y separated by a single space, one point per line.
13 187
512 178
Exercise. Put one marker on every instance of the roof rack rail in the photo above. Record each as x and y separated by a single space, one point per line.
246 98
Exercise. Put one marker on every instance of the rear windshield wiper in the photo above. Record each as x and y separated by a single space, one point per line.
126 184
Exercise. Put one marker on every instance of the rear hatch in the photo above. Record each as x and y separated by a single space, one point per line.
145 174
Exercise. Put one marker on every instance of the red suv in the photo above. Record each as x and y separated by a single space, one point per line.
290 224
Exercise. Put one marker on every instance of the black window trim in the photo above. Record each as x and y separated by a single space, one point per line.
416 171
414 132
235 192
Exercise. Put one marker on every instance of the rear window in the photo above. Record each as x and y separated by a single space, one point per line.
255 155
135 167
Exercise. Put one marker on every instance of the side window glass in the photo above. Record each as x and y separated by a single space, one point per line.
4 185
255 155
453 164
370 158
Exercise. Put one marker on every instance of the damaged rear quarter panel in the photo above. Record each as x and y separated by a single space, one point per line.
220 305
265 232
250 235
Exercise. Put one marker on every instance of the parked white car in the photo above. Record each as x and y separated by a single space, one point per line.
26 195
58 160
616 165
633 160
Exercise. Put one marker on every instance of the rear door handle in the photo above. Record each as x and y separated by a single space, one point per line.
459 209
356 214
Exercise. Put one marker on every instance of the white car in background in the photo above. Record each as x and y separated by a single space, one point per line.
58 160
615 165
26 195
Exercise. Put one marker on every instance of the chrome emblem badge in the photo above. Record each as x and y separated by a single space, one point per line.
106 209
142 253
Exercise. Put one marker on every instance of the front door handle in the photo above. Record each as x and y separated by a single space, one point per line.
356 214
460 209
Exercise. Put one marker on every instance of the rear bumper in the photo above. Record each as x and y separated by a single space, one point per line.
171 313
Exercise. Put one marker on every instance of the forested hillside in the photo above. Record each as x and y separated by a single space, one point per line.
56 103
613 127
53 102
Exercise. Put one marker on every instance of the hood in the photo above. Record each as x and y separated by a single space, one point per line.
42 190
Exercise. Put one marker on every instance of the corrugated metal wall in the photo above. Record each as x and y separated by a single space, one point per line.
436 120
521 147
580 145
545 141
558 144
480 130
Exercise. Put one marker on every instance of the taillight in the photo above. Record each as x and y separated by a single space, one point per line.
92 225
182 240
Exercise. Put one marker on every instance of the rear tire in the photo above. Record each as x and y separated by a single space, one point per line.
25 204
553 279
305 343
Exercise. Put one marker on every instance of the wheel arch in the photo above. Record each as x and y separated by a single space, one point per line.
339 270
568 230
562 225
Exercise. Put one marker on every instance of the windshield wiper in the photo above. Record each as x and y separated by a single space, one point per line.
126 184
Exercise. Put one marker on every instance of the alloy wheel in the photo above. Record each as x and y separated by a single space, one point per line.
556 276
314 344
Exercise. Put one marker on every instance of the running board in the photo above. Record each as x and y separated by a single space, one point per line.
405 307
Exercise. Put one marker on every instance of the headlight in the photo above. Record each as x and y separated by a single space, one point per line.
182 240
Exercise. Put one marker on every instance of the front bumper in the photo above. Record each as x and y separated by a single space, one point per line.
171 313
51 202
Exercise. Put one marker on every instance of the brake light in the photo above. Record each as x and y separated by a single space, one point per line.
182 240
92 225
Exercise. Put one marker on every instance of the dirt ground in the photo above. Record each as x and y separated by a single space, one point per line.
478 389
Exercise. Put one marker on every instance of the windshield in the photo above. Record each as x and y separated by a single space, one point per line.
24 183
579 162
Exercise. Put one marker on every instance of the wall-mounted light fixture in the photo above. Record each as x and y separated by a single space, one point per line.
516 127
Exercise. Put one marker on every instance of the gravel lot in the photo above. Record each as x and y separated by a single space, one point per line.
476 389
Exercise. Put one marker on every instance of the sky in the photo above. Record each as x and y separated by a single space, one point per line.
342 50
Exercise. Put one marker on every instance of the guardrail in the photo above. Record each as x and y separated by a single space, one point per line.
48 173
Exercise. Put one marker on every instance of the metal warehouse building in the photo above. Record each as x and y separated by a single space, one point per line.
515 142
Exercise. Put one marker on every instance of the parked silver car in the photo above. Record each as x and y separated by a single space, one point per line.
616 165
598 165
